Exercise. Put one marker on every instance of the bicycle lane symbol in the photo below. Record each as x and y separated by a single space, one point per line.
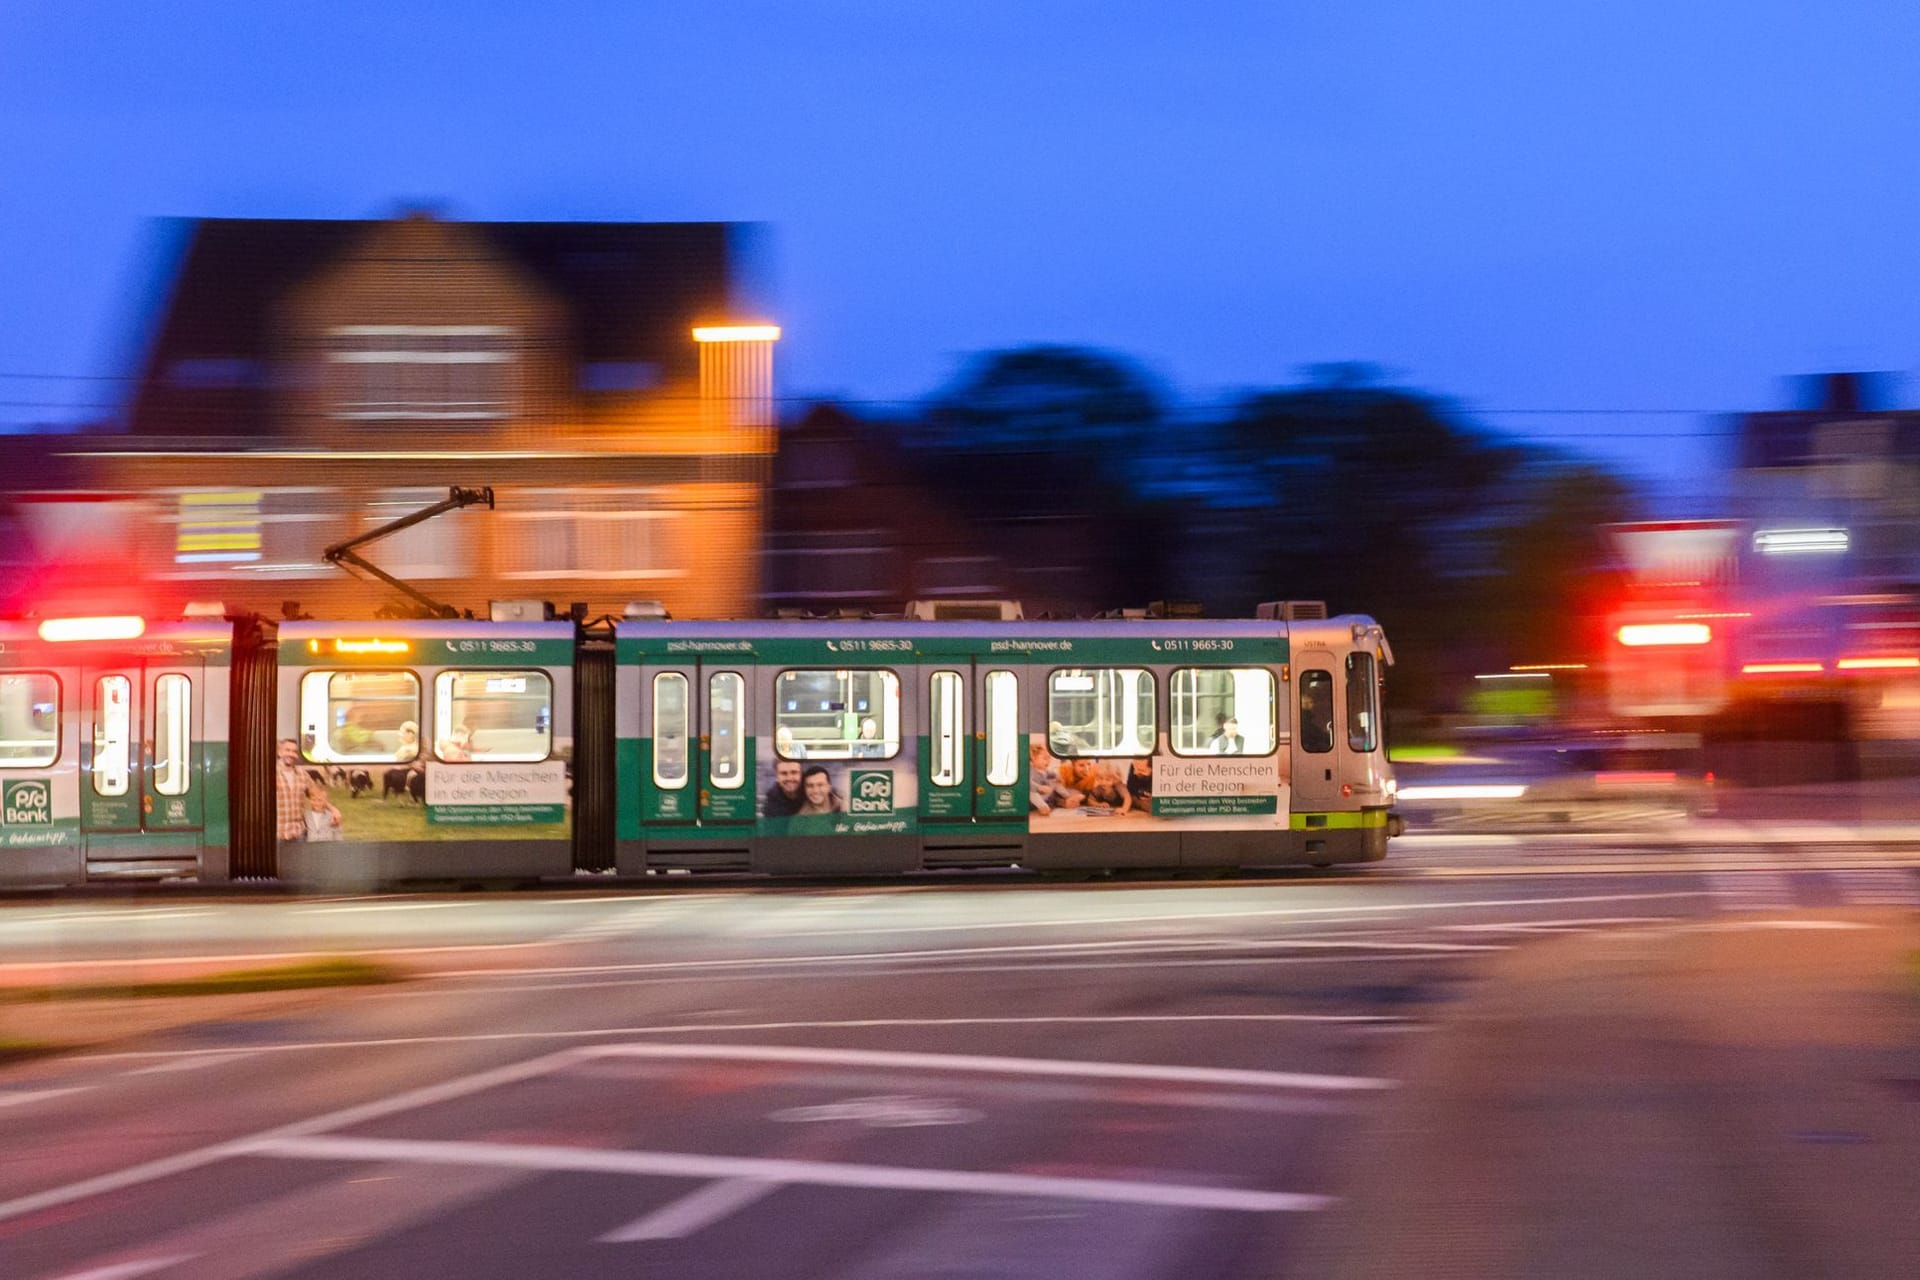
882 1111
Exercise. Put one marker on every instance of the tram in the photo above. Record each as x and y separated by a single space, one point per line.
115 748
374 753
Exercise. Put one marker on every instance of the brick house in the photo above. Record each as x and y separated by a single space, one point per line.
309 380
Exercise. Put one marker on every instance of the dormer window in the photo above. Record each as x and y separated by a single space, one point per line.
448 373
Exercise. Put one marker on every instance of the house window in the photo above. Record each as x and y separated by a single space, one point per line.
588 544
439 548
217 527
446 373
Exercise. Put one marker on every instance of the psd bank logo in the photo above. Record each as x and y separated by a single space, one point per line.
870 792
27 803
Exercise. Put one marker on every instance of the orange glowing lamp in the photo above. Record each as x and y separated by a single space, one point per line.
122 627
371 646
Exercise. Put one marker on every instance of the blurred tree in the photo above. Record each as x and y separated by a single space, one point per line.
1473 550
1358 493
1552 574
1059 448
1027 396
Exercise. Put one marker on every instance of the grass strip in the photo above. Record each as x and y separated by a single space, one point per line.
336 972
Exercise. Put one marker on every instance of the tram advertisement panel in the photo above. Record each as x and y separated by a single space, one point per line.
29 818
1217 793
450 735
428 800
849 797
491 795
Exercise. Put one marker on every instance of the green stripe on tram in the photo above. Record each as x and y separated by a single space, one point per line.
1356 820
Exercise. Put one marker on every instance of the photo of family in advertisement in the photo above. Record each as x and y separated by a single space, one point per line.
1222 790
1103 788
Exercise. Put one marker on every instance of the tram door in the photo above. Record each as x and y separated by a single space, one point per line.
671 774
1000 790
142 764
1316 715
727 793
974 766
698 762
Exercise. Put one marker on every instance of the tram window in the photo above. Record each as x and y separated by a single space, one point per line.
727 725
1316 711
1003 728
1100 711
670 730
1219 711
1363 720
947 730
172 734
495 716
112 735
360 717
29 719
837 715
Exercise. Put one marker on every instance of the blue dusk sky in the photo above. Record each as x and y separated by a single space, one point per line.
1582 205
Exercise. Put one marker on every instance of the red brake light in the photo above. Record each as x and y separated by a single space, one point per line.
1640 634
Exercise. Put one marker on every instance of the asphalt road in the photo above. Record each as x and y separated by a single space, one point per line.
964 1078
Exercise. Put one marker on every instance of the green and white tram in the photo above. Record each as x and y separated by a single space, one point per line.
357 754
114 754
875 747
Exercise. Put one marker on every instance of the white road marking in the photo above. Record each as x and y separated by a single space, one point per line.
852 1024
1752 890
382 906
196 1058
671 1164
1728 926
718 1168
629 921
1692 865
21 1097
1037 949
127 1270
94 917
950 1062
1250 914
799 969
693 1212
186 1161
1556 926
882 1111
1882 887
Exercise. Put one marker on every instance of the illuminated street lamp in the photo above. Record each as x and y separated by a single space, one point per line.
736 374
